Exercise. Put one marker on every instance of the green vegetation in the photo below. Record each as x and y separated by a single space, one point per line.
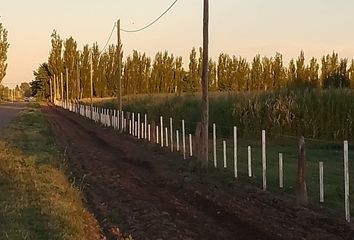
37 201
320 114
4 46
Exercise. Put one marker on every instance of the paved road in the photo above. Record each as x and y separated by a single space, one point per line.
8 111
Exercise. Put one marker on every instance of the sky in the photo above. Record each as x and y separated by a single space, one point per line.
237 27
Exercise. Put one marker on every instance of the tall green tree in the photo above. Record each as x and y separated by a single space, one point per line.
4 46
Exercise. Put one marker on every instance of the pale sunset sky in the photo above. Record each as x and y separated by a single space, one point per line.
237 27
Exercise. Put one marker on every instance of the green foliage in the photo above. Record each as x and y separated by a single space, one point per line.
4 46
323 114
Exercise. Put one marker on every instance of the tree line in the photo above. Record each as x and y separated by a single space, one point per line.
166 73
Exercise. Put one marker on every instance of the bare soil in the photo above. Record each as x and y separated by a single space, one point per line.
138 188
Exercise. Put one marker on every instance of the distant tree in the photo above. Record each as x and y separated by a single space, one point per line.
40 84
26 89
4 46
194 72
278 72
256 73
334 72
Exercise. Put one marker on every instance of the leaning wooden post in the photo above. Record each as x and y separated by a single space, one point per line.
346 181
301 191
264 161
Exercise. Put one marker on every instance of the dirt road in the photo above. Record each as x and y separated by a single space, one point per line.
152 194
8 111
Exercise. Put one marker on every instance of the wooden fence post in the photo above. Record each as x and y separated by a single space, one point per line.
224 150
177 140
346 181
171 134
235 152
214 145
249 161
320 165
184 140
264 161
281 171
190 145
301 191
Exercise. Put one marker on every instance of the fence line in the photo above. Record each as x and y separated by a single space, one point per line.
141 129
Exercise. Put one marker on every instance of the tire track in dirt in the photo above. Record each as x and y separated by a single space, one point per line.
130 187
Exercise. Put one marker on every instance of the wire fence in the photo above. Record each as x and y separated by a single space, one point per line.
269 160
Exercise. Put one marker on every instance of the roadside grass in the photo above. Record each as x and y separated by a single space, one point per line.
36 199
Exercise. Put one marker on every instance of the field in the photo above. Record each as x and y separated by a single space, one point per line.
323 117
37 201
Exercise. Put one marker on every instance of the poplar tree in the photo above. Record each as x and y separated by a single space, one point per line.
4 46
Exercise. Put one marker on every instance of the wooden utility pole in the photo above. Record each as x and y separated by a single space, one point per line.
119 65
67 84
91 84
205 97
301 191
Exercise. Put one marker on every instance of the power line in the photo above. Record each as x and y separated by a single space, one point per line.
153 22
109 39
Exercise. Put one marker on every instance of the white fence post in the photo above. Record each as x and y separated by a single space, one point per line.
157 135
281 171
346 181
122 121
130 127
224 148
249 157
171 134
235 152
214 145
133 122
320 165
264 160
149 132
177 140
190 145
161 132
184 140
166 136
145 126
138 130
142 131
